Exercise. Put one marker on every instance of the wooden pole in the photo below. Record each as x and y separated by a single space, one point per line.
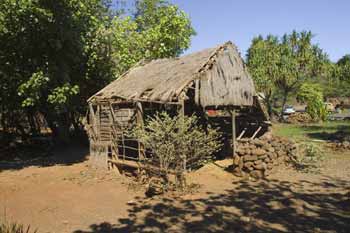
233 116
182 110
98 123
182 115
196 94
139 115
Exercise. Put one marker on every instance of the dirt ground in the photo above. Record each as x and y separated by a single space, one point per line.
67 196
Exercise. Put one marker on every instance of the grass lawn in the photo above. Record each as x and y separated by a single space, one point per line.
307 132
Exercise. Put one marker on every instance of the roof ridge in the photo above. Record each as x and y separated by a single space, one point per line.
203 66
206 54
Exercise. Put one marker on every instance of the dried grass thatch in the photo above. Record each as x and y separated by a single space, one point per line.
223 80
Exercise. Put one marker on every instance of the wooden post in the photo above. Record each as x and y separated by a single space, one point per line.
139 112
182 115
182 110
123 144
93 120
233 116
98 122
196 94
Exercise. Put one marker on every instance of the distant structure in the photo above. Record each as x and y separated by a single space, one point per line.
213 84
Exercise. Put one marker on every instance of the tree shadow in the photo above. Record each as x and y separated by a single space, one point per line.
313 128
327 132
263 206
339 135
57 155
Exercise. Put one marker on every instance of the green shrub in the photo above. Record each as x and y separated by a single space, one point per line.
311 94
177 144
308 158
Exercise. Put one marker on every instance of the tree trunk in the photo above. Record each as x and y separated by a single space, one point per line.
63 128
34 128
268 103
74 119
59 127
284 101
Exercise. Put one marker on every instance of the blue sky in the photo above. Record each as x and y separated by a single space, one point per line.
217 21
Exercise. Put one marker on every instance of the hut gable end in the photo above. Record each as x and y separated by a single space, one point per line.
227 83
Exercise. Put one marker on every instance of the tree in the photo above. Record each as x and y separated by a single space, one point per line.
262 60
342 75
157 29
337 84
44 60
284 64
299 60
55 54
344 61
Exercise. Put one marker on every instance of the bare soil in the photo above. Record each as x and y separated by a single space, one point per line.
71 197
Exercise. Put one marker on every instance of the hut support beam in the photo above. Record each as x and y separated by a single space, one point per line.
196 98
242 133
139 112
233 118
182 108
256 132
182 115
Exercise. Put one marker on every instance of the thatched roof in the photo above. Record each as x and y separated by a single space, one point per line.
165 79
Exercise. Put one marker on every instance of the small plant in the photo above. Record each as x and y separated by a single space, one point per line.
309 156
13 227
176 144
6 227
312 153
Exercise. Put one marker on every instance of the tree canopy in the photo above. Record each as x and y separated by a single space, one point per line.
156 29
55 54
262 60
283 64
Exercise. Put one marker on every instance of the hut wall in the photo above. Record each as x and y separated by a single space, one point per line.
99 131
105 121
227 82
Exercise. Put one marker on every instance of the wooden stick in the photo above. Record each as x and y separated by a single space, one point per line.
123 146
133 100
242 133
127 158
112 111
129 147
135 164
256 132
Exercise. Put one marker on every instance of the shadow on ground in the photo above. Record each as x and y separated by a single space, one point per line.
338 132
339 135
58 155
314 128
264 206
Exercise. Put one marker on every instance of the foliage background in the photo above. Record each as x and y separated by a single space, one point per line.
55 54
282 67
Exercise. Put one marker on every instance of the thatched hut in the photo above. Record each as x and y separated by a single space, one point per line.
213 83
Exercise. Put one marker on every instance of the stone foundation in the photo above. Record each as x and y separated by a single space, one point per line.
258 157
